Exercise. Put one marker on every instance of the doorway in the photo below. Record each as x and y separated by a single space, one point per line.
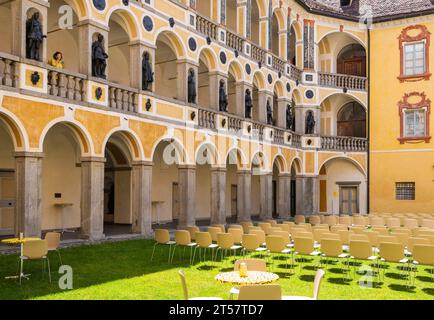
175 201
349 200
7 202
234 200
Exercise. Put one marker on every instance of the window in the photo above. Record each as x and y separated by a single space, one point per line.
414 44
405 191
414 59
414 117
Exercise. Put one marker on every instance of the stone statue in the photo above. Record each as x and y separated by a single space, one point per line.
310 123
191 87
248 105
99 58
147 73
223 98
269 113
289 117
34 37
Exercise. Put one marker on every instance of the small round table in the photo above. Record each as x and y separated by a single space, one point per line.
253 277
20 242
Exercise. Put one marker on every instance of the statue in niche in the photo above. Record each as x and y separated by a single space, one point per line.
310 123
147 73
289 117
99 58
248 105
269 113
34 37
191 87
223 98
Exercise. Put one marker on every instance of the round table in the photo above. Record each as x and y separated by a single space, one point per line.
20 242
253 277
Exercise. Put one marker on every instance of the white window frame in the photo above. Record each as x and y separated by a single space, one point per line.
405 44
408 110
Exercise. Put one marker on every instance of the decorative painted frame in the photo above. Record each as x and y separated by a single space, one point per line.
423 103
405 37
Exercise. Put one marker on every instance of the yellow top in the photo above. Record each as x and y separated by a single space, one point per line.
55 63
15 241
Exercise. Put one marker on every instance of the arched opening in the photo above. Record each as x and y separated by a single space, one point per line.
278 114
232 162
62 35
254 25
275 35
119 50
232 93
165 187
61 179
342 187
7 182
275 190
295 171
166 73
257 167
255 97
204 82
203 7
351 120
204 161
292 49
6 29
118 193
231 15
352 60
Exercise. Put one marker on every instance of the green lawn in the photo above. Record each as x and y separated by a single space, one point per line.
123 270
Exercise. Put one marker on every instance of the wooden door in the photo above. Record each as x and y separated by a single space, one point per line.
175 201
7 202
348 200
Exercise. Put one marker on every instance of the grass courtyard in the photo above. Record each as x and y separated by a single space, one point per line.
123 270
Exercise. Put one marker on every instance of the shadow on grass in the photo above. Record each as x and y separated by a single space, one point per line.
402 288
340 281
396 276
425 279
429 291
307 277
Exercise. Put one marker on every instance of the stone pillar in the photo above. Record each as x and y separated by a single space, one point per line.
142 201
218 196
187 196
244 191
260 111
266 196
92 198
28 175
307 195
183 67
19 11
214 85
240 92
137 50
244 15
284 196
87 31
300 118
282 44
281 112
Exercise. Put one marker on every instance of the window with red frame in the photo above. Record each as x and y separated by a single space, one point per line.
414 112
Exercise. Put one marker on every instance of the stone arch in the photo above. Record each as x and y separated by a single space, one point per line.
278 88
212 157
209 57
180 154
348 94
263 7
259 160
297 164
131 140
280 162
171 39
16 131
296 25
259 80
236 70
296 96
80 7
354 37
236 156
349 159
126 20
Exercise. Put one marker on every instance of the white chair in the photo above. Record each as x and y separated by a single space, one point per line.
316 286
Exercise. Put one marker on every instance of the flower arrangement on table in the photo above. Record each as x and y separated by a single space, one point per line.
253 277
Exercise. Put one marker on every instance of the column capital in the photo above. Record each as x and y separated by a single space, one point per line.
244 171
188 62
93 159
218 169
187 167
26 154
143 163
95 24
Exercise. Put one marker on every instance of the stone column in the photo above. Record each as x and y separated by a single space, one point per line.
142 201
307 195
281 112
240 92
214 85
28 175
86 35
282 44
266 196
218 196
183 67
284 196
137 50
260 111
244 12
300 118
187 196
92 198
244 191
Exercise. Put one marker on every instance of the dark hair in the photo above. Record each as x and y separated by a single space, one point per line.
56 53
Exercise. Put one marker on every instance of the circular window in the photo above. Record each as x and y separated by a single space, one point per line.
223 58
99 4
192 44
310 94
148 24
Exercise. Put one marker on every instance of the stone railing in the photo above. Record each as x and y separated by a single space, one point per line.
258 54
207 27
278 64
279 136
66 84
342 81
295 73
234 41
295 140
207 118
9 73
123 98
344 144
234 123
258 130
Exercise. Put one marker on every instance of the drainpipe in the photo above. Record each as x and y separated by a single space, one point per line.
368 197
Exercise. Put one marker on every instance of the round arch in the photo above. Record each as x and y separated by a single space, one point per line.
279 88
281 17
280 163
236 156
180 152
354 37
296 96
209 58
130 139
80 7
236 70
16 131
172 40
260 159
298 29
126 20
259 80
351 160
348 94
262 6
296 163
212 156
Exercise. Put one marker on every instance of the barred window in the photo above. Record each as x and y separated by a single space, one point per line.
405 191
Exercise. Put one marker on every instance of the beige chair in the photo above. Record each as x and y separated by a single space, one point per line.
249 229
359 237
260 292
299 219
359 221
423 255
330 235
411 223
429 237
273 229
276 245
285 227
389 238
314 220
251 243
306 226
377 222
381 230
304 247
221 226
332 248
214 231
237 233
185 289
261 236
331 220
345 220
252 265
358 229
316 287
35 250
162 237
338 227
323 226
192 230
236 226
345 237
373 237
317 234
225 243
427 223
53 243
272 222
361 250
402 237
296 230
265 226
204 242
290 223
393 222
183 239
285 235
407 231
412 241
246 225
393 252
